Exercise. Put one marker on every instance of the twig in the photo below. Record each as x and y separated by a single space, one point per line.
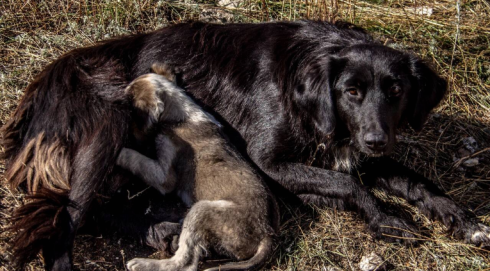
137 194
469 156
456 36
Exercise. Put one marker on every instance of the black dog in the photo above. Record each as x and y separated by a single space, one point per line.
304 100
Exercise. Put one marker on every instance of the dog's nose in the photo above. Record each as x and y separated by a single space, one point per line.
376 141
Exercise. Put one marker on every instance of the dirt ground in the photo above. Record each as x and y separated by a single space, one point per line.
453 150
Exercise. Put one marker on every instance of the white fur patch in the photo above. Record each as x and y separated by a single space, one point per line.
345 158
481 235
477 235
222 203
371 262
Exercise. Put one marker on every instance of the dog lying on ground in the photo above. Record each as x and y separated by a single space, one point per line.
309 103
232 211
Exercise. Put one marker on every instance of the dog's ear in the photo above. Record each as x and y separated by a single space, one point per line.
428 90
313 92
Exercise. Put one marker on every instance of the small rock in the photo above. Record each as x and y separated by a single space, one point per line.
372 262
215 15
470 144
471 162
229 3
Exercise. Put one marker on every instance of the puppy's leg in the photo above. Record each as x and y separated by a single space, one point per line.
326 187
192 242
160 235
156 173
225 226
386 174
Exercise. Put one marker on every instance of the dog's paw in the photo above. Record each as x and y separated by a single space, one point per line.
477 234
445 210
394 229
141 264
460 223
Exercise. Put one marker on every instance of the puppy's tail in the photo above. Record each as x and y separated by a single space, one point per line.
254 263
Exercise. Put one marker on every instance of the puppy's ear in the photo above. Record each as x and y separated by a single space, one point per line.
428 91
314 92
165 71
146 102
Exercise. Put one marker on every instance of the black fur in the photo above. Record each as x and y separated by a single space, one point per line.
282 91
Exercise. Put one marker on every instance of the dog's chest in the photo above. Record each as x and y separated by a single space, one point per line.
342 158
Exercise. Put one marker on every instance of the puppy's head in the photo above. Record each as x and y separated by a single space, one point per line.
368 91
380 89
158 100
148 91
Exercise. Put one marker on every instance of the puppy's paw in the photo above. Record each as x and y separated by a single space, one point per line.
141 264
394 229
161 236
175 244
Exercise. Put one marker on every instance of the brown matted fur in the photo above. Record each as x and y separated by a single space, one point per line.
61 143
40 165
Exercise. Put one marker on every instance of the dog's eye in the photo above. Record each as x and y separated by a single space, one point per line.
395 91
353 91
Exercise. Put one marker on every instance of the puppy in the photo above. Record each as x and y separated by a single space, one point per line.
231 212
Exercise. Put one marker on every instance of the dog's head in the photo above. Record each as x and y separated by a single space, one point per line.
370 91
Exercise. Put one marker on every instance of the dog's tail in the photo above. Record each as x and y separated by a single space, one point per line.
264 249
62 123
44 217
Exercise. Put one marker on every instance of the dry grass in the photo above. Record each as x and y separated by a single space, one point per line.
456 37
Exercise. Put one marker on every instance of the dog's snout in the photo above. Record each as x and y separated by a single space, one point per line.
376 141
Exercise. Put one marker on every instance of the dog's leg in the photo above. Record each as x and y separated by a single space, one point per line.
396 179
156 173
390 228
325 187
90 168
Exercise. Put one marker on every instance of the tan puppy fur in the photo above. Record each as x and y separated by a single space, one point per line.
232 211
